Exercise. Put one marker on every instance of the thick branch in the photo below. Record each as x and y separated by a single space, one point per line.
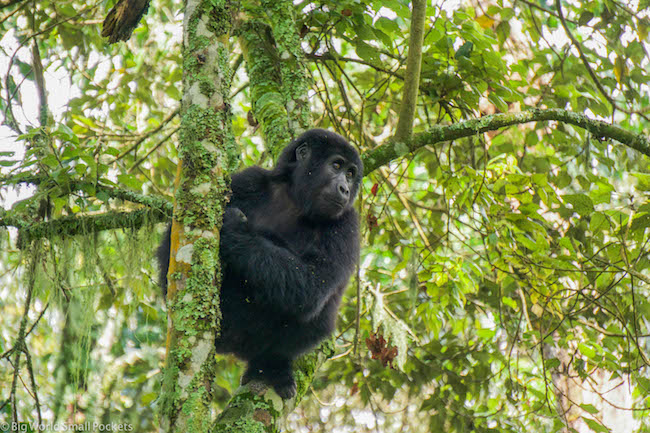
263 69
207 154
413 67
254 403
387 152
154 203
123 19
72 226
151 201
295 80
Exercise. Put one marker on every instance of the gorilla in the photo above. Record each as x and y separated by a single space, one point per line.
289 244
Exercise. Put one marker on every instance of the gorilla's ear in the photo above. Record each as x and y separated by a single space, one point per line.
303 152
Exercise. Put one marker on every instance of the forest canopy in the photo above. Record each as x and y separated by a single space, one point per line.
504 278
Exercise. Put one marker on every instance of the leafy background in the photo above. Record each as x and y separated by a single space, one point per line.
504 277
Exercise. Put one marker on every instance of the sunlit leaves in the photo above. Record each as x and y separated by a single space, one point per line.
493 265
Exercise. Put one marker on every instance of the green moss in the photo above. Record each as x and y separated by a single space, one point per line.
197 409
208 153
86 225
269 102
207 87
293 73
220 16
239 416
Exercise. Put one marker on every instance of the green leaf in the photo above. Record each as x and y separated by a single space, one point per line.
465 50
510 303
50 160
640 222
366 51
585 17
66 133
103 196
562 180
173 92
130 181
581 203
485 333
643 181
80 169
552 363
598 222
587 351
388 26
589 408
147 398
595 425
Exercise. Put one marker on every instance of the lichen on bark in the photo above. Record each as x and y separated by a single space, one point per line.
396 148
208 155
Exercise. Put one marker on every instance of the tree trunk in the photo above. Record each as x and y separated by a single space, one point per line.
207 155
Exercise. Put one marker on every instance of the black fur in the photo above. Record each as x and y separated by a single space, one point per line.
289 243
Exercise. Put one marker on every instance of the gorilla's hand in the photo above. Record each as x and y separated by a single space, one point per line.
235 235
235 219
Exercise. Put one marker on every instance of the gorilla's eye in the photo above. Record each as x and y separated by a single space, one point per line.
336 165
350 174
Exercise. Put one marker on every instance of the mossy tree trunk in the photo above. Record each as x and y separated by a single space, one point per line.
279 79
207 156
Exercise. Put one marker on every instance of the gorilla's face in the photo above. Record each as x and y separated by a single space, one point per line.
325 186
337 186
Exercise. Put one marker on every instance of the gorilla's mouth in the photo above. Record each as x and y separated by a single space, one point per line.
338 204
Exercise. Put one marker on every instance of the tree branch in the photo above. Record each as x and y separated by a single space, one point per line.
123 19
263 69
541 8
8 3
268 408
39 79
294 78
152 201
72 225
147 134
393 149
208 154
330 55
413 66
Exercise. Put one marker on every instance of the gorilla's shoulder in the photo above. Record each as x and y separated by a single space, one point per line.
250 180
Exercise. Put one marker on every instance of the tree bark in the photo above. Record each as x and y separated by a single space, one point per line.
413 67
207 155
393 149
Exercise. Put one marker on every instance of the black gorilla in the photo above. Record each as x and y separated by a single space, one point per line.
289 243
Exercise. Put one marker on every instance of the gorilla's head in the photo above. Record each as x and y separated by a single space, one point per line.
324 172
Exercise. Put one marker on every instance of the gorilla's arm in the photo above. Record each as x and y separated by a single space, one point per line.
283 280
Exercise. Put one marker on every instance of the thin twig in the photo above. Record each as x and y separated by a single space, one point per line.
146 135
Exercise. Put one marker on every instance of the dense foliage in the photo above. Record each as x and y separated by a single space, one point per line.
505 277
